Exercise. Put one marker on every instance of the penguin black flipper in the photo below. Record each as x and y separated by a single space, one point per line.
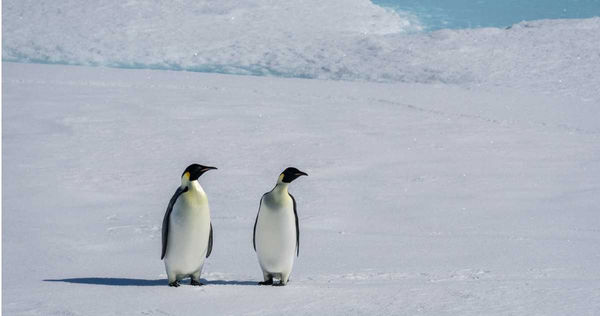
165 225
297 227
256 221
210 242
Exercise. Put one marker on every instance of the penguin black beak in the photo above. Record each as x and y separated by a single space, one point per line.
301 174
208 168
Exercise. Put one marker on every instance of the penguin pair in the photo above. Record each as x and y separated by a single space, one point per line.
187 233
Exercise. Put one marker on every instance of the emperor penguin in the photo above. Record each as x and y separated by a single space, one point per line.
276 237
187 234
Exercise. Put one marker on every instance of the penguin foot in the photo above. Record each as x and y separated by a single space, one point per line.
196 283
174 284
270 282
279 284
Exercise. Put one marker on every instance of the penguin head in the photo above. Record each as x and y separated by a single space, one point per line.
290 174
193 172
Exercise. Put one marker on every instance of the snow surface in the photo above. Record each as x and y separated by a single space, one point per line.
334 39
427 199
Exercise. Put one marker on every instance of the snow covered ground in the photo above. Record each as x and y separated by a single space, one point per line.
430 199
334 39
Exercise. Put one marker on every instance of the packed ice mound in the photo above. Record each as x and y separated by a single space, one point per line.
337 39
287 38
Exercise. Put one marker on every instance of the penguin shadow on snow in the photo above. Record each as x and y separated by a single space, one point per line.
144 282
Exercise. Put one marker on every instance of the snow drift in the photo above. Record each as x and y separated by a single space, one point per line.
351 40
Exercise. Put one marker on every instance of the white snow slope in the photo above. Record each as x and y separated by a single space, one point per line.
421 199
333 39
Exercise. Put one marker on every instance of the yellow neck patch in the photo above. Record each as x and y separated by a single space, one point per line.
187 175
280 177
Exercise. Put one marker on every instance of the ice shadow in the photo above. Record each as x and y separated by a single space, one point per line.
144 282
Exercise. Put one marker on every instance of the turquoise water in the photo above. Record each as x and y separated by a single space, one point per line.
459 14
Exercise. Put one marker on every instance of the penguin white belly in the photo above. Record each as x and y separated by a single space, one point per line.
276 238
189 229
